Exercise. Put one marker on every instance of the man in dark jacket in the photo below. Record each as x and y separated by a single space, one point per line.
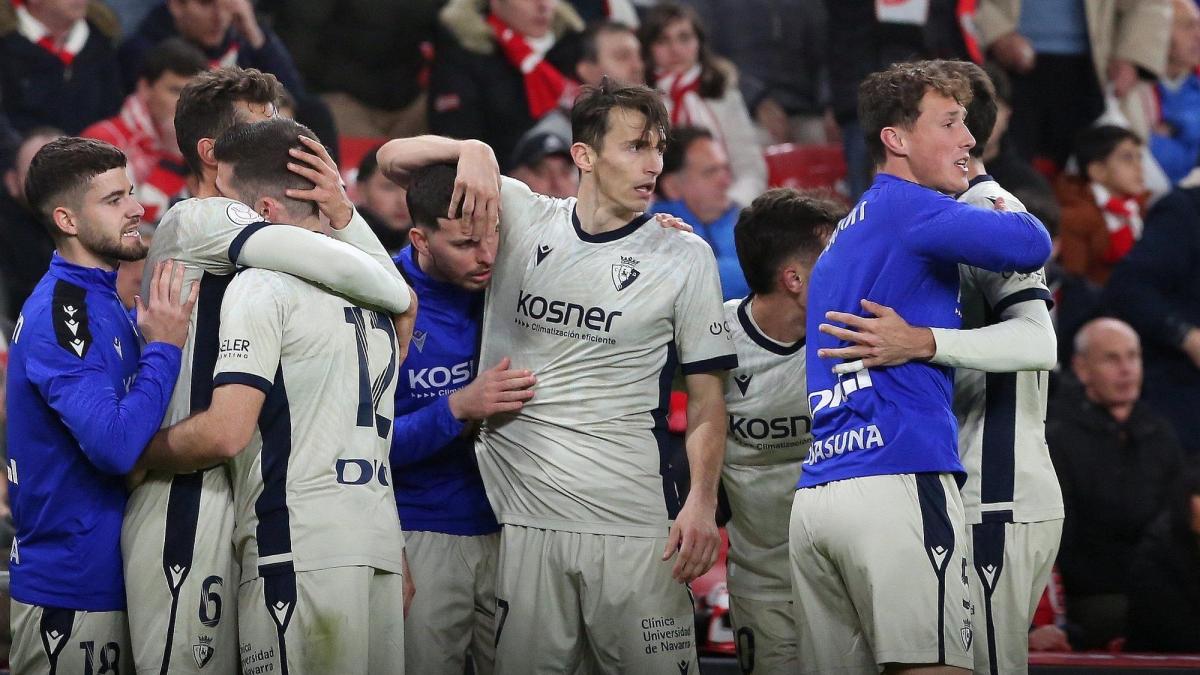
25 246
365 58
1156 288
58 66
1114 457
229 34
478 90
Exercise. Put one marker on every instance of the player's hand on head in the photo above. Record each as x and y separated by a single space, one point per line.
670 222
165 315
886 340
477 187
328 191
500 389
404 324
696 540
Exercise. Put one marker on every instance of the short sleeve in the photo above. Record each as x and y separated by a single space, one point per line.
251 337
521 209
701 330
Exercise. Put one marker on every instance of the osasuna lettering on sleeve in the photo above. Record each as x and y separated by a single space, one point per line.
1002 416
603 321
900 246
770 429
313 490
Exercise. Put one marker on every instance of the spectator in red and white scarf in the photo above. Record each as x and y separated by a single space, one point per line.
57 63
701 91
500 66
145 128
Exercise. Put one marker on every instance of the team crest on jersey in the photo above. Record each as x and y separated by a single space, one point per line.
418 339
241 214
742 382
624 274
203 651
966 634
117 346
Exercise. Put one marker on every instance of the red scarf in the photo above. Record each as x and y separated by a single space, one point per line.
36 32
545 87
1121 239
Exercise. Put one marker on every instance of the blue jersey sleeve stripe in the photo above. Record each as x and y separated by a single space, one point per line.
1024 296
235 247
723 362
249 379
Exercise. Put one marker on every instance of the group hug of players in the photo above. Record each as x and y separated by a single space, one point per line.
284 467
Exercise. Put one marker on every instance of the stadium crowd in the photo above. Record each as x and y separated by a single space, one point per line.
1085 112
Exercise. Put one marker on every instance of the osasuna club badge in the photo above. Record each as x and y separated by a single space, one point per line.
625 274
202 651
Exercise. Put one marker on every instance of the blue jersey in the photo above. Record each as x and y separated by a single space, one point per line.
84 399
437 482
900 246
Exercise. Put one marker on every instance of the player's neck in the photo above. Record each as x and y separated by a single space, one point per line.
598 214
779 317
975 168
72 251
207 185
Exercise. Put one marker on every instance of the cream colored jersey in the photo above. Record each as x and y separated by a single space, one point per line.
176 532
770 429
313 488
1002 416
603 321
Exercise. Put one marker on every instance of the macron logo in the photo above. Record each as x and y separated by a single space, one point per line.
542 252
742 382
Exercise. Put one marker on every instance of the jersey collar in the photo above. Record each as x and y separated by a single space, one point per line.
612 235
86 277
760 339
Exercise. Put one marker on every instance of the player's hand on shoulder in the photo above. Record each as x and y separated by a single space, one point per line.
477 187
500 389
696 540
328 191
670 222
886 340
165 315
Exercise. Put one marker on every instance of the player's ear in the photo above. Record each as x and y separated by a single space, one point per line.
204 148
583 157
64 221
419 239
271 210
893 139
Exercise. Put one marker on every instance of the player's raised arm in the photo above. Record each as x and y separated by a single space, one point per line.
477 187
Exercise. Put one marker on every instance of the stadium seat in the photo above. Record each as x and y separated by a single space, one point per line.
806 167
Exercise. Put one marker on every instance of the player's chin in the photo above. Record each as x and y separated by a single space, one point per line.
132 250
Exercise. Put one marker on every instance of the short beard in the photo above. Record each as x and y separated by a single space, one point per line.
108 249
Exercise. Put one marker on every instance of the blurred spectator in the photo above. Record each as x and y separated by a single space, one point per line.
366 59
1168 111
1049 630
1062 55
145 128
229 33
542 160
779 48
1009 169
131 12
1101 213
696 181
620 11
1156 288
57 63
1114 457
382 204
612 49
701 91
25 245
501 66
866 36
1164 579
9 138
